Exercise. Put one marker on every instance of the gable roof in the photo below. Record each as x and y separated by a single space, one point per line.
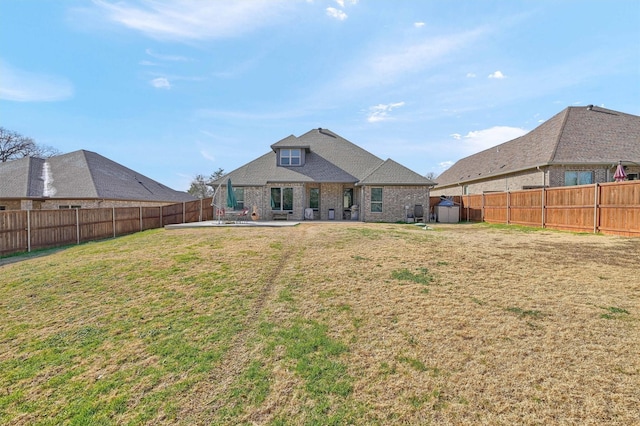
392 173
329 158
81 174
576 135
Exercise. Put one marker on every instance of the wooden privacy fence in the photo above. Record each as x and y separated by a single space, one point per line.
609 208
27 230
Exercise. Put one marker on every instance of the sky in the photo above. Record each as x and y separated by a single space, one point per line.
173 89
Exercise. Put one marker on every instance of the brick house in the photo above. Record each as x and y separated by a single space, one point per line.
79 179
322 176
579 145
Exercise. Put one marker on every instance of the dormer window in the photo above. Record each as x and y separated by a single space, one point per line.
290 157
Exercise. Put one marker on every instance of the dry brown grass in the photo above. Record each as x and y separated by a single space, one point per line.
509 327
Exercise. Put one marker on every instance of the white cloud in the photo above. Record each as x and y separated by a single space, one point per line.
25 86
193 19
456 136
471 75
207 156
161 83
381 112
479 140
418 24
336 13
497 75
341 3
385 65
445 165
174 58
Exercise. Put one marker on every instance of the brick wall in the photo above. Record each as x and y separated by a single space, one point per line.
395 198
512 182
394 201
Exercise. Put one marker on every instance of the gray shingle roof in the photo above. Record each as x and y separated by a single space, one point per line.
329 158
392 173
81 174
576 135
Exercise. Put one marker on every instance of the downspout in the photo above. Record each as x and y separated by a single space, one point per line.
544 178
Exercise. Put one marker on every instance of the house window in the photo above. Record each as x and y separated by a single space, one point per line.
290 157
281 198
3 207
376 200
465 190
239 198
69 207
630 176
314 198
577 178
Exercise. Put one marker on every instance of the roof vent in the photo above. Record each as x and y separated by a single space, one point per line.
325 133
589 107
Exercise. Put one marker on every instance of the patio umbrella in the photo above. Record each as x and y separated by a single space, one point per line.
231 195
620 174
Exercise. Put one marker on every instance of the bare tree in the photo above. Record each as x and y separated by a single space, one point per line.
44 151
431 176
199 185
13 146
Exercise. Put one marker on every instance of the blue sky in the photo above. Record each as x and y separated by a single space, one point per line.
173 89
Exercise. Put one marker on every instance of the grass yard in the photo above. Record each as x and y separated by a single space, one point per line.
342 323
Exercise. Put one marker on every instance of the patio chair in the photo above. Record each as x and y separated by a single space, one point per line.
242 216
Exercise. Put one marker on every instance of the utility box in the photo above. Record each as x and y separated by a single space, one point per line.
332 214
448 214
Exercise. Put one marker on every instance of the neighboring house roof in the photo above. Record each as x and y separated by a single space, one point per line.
576 135
329 158
81 174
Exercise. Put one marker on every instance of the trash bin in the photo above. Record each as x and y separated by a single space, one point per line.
332 214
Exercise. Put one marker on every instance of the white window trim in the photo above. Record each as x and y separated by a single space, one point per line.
293 153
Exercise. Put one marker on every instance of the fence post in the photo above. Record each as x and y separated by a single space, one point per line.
161 218
596 209
184 209
78 226
29 231
141 218
200 216
543 208
482 209
508 207
113 220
